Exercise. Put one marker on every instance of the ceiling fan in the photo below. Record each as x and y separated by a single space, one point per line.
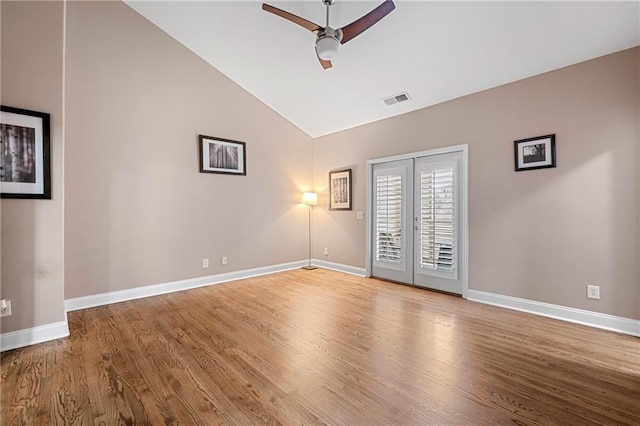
328 39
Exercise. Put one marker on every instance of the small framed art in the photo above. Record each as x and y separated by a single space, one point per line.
340 189
25 161
535 153
222 156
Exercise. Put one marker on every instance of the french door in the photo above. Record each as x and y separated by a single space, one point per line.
392 212
416 221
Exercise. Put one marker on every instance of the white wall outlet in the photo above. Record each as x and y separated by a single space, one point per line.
5 308
224 260
360 215
326 251
593 292
205 263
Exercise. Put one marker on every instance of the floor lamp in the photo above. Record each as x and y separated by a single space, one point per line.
310 199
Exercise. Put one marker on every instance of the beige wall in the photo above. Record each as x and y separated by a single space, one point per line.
32 237
540 235
138 212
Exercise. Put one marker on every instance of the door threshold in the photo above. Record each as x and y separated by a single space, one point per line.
418 286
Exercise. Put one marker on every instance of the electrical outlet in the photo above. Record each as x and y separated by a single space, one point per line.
5 308
593 292
326 251
224 260
205 263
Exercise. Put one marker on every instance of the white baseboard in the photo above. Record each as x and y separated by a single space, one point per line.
564 313
43 333
170 287
353 270
33 335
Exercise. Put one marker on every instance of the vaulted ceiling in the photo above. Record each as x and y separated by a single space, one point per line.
435 51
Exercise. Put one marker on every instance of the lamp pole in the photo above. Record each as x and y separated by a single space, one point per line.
310 199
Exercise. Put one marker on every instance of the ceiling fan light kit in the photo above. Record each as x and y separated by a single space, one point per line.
327 47
329 39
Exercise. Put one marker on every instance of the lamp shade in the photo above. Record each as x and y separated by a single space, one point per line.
310 198
327 47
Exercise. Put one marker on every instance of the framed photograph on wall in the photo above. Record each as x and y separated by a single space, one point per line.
340 189
222 156
535 153
25 157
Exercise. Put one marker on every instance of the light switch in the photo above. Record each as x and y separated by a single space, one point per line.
359 215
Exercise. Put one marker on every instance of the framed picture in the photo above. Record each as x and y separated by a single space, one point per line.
222 156
535 153
25 161
340 189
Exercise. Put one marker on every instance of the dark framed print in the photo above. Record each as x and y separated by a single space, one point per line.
25 154
340 189
535 153
222 156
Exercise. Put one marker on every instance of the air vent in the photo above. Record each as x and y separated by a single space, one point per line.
400 97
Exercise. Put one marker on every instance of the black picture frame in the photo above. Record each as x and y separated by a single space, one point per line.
225 156
535 153
25 138
340 194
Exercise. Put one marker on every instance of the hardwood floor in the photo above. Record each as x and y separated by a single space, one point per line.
320 347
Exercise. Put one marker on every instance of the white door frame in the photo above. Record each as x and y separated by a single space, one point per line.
464 204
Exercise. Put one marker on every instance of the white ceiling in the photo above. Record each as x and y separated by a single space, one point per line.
436 51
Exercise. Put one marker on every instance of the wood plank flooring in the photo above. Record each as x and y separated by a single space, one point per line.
320 347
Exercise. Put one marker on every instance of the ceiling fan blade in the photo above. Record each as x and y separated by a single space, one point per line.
359 26
325 64
293 18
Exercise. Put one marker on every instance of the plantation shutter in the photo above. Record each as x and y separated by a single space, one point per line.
437 219
389 218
